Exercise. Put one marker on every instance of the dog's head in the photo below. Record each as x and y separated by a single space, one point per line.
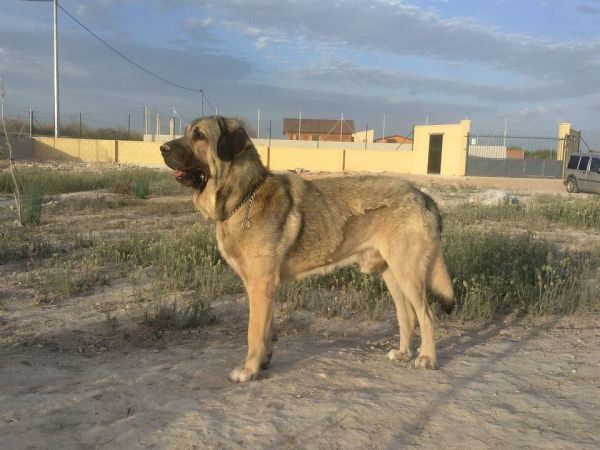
206 149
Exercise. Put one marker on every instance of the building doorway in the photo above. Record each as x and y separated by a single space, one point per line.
434 163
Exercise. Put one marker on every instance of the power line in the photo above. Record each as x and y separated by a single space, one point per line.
131 61
125 57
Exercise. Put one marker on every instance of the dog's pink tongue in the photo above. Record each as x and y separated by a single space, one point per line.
177 173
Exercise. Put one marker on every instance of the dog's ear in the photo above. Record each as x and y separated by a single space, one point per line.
231 142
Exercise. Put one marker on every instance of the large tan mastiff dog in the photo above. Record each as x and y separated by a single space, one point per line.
273 228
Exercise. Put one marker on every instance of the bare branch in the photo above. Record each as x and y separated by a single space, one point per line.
11 160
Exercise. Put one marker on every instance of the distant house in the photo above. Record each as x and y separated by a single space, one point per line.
515 153
395 139
319 130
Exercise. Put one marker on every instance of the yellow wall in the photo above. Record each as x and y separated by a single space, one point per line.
263 151
137 152
379 161
564 128
454 152
454 147
282 158
66 149
43 148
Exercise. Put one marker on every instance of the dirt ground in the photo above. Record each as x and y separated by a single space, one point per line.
70 380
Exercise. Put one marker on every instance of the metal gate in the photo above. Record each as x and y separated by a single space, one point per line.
515 156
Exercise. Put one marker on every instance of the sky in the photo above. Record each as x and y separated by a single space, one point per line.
386 64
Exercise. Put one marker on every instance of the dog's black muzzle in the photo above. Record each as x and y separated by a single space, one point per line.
186 169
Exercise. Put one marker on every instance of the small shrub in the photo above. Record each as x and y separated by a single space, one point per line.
495 272
165 315
31 204
141 188
123 188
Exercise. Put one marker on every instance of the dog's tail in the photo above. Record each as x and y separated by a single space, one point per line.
440 283
439 279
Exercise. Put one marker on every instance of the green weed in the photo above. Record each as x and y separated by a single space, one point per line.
55 182
31 204
141 189
168 315
543 212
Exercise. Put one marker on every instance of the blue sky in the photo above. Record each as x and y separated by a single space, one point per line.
536 63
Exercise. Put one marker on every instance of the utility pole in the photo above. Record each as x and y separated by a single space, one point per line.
56 107
145 120
202 104
56 102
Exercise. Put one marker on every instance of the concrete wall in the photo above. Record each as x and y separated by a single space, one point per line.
137 152
275 143
283 154
282 158
564 128
22 147
379 161
67 149
454 147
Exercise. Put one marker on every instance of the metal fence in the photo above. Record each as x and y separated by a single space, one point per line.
514 156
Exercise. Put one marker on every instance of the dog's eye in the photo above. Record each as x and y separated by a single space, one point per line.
198 135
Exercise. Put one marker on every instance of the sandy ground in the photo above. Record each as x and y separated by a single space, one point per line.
512 384
70 380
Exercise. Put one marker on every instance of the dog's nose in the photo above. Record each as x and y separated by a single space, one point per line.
165 149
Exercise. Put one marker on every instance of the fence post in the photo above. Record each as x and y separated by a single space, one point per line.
269 147
466 156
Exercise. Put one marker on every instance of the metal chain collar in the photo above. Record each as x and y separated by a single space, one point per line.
248 198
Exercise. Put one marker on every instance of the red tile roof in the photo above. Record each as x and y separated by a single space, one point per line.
318 126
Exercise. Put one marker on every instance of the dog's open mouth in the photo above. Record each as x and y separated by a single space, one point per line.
196 179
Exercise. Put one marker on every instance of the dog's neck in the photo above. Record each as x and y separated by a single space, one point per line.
238 184
247 199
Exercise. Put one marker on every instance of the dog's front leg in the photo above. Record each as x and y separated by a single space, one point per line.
262 292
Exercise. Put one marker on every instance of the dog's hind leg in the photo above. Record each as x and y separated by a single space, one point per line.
406 318
410 273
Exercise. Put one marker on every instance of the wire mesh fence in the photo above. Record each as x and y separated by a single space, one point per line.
515 156
514 147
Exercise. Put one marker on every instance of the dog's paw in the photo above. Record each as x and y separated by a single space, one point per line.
426 362
400 355
241 374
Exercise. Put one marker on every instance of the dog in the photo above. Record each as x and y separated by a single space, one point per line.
278 227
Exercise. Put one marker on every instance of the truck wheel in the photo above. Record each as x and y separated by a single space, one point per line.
572 186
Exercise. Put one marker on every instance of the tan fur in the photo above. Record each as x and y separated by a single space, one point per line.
300 227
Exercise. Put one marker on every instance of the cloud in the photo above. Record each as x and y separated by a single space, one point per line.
586 9
397 28
337 73
199 29
192 24
365 58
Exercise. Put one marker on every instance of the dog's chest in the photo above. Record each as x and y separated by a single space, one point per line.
229 249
